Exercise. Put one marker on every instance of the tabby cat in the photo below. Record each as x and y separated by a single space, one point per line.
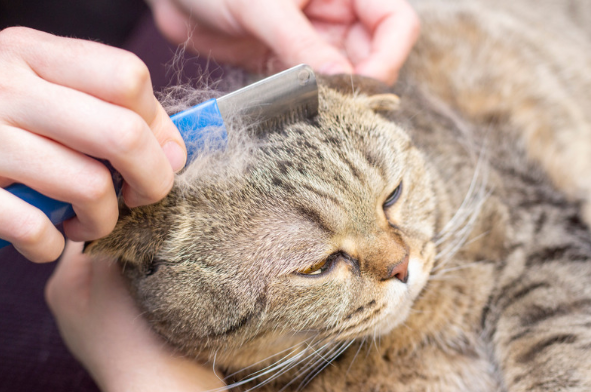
435 242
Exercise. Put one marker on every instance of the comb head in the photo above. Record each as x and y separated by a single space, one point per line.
280 99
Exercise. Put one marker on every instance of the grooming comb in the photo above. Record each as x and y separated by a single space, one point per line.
283 98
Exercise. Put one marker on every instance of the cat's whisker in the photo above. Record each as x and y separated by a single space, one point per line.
213 366
315 352
319 352
374 339
292 349
325 354
277 366
478 237
459 237
458 229
343 348
124 265
323 358
405 324
356 353
460 242
287 364
465 213
300 373
311 376
458 217
457 268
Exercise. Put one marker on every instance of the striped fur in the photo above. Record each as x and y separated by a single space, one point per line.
491 141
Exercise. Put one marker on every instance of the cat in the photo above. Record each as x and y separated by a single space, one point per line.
432 242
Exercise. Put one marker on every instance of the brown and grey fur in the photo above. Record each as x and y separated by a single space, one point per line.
491 140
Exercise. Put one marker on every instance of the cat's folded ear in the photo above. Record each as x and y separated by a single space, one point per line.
354 84
379 96
138 236
383 103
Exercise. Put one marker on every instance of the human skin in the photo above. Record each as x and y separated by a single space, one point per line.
104 329
61 101
96 316
367 37
53 87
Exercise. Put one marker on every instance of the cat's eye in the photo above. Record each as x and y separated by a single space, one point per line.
151 270
394 196
316 269
152 267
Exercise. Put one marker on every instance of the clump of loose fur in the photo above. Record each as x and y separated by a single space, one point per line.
429 243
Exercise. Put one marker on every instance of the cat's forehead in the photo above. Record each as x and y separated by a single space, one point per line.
345 128
316 181
304 185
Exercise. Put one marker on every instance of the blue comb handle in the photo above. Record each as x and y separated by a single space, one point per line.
57 211
193 125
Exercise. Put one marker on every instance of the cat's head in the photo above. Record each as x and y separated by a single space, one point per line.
324 230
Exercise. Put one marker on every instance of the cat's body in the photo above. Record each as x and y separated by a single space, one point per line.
472 185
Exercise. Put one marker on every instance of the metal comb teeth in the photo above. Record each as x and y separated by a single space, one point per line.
284 98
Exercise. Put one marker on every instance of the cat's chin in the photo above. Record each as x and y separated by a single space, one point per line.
399 297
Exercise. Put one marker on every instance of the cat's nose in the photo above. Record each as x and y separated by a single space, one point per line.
399 270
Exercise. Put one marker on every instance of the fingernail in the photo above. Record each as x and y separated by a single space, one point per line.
334 68
175 154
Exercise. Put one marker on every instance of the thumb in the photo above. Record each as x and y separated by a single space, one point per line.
68 288
169 137
283 27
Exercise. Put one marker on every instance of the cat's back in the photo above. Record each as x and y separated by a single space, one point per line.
517 70
494 97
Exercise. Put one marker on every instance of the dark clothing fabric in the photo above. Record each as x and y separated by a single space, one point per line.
32 354
108 21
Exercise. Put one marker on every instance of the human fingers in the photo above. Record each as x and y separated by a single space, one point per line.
245 52
110 74
104 329
87 298
335 12
63 174
108 132
68 288
28 229
112 77
174 24
89 125
284 28
124 340
70 298
208 30
179 23
394 28
89 295
80 286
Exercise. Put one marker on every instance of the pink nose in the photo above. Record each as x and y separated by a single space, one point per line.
399 270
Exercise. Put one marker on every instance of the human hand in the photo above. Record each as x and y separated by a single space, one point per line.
105 331
368 37
63 99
